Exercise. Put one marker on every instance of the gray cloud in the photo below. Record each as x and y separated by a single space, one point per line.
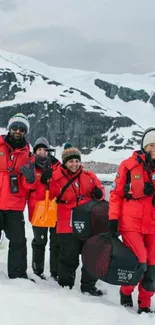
8 5
104 35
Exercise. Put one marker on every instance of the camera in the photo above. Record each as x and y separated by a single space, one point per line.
14 183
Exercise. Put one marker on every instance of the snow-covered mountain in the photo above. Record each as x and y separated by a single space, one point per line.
104 115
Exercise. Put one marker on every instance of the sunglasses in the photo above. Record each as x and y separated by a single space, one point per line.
15 128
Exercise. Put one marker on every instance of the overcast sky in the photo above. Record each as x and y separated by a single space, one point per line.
109 36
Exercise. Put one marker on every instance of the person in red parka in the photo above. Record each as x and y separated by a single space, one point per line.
84 188
14 187
132 210
45 164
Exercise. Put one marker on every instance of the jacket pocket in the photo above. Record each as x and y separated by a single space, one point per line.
16 202
132 209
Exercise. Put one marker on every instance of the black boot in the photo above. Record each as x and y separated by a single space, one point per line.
126 300
93 291
145 310
66 283
68 280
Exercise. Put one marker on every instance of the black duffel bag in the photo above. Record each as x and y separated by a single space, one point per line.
108 259
90 218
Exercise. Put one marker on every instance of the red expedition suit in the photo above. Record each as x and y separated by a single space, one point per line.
78 192
13 193
41 233
33 198
135 213
10 163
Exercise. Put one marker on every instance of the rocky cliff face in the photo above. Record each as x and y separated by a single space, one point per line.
65 113
85 130
125 93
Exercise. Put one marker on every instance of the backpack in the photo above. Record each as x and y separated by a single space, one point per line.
90 218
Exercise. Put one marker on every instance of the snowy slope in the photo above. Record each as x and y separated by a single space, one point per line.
41 89
143 114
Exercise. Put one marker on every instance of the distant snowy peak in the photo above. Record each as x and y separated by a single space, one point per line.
21 86
71 105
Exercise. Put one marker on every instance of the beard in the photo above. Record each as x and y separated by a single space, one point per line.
17 137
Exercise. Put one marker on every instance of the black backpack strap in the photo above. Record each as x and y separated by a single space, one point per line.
128 177
127 195
65 187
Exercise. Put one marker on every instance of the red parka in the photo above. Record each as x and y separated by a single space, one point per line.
10 162
138 213
33 198
79 192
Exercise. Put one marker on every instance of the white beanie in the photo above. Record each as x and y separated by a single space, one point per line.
20 120
148 137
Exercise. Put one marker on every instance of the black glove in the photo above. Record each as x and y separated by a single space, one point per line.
47 174
148 188
28 172
97 192
113 226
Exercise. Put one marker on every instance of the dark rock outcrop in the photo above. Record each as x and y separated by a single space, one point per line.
81 128
124 93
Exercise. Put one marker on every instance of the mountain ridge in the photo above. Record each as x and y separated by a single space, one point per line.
66 107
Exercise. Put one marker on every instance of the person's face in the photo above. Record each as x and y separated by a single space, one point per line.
41 152
150 148
73 165
17 132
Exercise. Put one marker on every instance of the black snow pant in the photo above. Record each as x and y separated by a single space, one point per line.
70 250
38 250
14 228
